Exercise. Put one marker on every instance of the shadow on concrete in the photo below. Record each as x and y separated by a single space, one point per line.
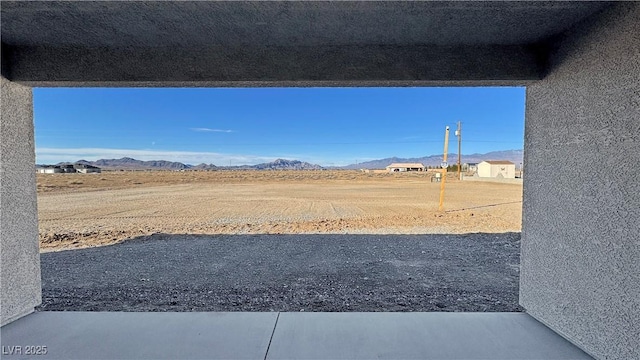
324 272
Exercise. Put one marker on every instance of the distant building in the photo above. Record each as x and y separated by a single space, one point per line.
49 169
70 169
401 167
473 167
86 169
497 169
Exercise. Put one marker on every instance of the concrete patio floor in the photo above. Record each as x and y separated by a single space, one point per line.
287 335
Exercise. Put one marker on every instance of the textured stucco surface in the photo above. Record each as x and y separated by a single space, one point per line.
272 43
274 65
581 222
19 249
116 24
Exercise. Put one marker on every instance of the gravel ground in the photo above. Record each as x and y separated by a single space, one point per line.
471 272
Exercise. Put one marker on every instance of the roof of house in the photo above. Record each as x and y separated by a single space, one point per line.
406 165
499 162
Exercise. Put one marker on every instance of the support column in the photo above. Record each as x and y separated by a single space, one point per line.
580 262
20 284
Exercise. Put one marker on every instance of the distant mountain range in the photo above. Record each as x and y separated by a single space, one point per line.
127 163
514 156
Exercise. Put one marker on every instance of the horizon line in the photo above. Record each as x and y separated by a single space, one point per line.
56 155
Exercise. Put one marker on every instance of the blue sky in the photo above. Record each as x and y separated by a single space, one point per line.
326 126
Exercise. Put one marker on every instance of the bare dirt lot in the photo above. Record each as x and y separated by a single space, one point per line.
85 210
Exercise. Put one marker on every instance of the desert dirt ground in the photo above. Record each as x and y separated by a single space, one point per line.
86 210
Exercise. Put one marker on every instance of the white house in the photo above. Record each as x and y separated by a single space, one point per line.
48 169
397 167
497 169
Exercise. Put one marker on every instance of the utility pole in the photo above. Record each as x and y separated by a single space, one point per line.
459 135
520 170
444 166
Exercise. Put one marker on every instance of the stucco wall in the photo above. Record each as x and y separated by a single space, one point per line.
19 252
581 222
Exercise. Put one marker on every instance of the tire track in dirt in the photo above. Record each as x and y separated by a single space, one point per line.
310 203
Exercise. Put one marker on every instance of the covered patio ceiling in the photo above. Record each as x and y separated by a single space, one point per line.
271 43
